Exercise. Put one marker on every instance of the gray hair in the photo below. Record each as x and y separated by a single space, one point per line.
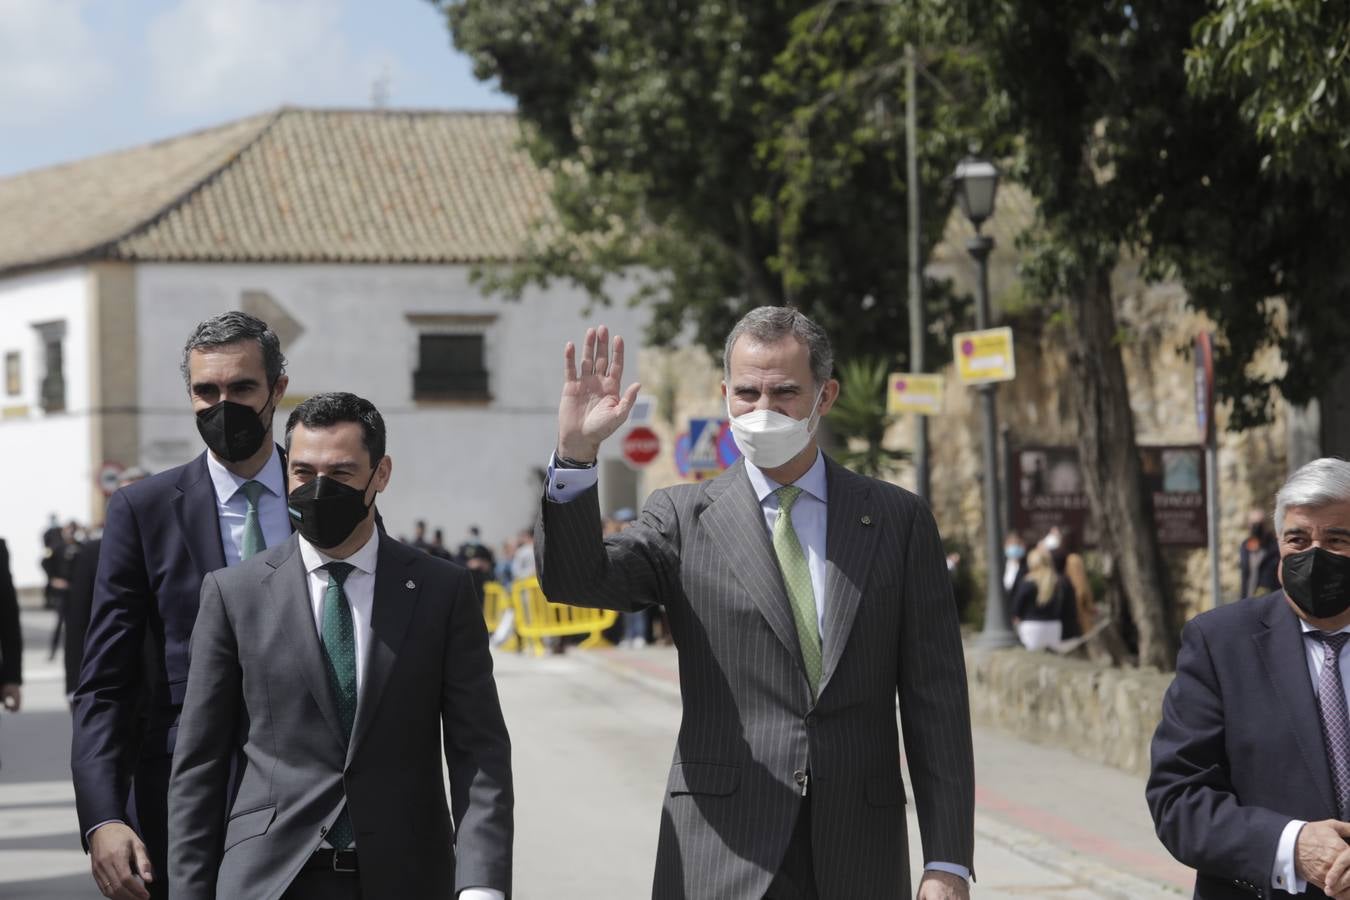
1318 483
231 328
770 324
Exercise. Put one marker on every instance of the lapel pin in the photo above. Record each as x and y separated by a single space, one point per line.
867 520
410 584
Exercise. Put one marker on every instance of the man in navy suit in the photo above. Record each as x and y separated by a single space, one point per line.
161 536
1251 762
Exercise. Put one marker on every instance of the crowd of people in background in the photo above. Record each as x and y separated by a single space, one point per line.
515 561
1051 597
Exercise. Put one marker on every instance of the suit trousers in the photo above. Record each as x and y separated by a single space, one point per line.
150 799
796 878
318 884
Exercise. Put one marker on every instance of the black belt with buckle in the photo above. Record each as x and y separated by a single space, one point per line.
329 860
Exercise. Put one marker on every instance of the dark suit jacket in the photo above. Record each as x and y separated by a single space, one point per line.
79 605
161 536
750 727
1239 751
11 634
259 695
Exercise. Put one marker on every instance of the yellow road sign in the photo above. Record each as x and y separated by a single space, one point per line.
907 392
984 356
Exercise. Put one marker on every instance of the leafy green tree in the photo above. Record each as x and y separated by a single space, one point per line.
859 418
705 153
1122 157
1287 64
1266 220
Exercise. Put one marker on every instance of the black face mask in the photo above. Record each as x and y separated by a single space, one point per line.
232 430
1318 582
326 511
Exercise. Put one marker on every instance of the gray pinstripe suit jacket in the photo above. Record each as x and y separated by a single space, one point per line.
750 725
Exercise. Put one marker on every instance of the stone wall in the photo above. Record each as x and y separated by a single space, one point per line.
1102 713
1157 329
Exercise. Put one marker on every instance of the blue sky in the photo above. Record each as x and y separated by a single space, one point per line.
81 77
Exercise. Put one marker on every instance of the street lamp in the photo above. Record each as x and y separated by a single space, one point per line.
976 183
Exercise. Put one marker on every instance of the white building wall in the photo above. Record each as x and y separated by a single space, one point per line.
47 456
455 464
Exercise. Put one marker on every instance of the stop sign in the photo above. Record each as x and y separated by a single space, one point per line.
640 446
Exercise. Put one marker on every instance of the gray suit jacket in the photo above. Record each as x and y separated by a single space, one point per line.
750 726
259 698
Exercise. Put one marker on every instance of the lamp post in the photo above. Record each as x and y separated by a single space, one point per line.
976 184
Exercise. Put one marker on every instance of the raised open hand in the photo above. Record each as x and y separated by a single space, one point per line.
592 408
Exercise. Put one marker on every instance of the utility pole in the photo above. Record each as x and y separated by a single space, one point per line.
917 328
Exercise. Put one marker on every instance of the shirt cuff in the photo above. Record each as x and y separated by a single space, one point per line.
88 835
566 485
949 868
481 894
1285 877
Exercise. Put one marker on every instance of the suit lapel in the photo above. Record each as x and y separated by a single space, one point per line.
849 545
390 615
1281 649
198 519
735 523
288 589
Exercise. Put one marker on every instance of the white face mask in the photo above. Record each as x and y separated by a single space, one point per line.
768 439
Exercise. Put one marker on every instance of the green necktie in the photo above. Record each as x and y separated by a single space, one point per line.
253 540
797 580
339 652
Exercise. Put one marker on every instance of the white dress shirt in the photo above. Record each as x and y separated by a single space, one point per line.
1285 877
232 505
808 520
360 590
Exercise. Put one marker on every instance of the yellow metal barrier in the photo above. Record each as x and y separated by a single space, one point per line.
537 618
496 603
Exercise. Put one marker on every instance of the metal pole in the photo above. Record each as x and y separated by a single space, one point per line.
996 632
1212 510
922 477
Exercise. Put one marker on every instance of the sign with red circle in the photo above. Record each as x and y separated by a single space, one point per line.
640 446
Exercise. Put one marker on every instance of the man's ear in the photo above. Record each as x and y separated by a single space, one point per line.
382 473
829 395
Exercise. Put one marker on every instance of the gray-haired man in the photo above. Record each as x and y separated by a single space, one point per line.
1251 762
161 536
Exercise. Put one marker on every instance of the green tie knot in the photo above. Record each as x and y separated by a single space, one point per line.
787 495
338 571
253 540
252 491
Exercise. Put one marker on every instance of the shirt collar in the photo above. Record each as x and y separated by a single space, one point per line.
227 484
813 482
363 559
1308 629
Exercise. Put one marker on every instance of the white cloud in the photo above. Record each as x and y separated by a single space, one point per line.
243 56
50 60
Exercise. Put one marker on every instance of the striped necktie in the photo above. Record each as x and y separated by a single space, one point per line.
339 651
1332 712
797 580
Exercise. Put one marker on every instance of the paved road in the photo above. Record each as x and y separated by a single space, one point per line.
593 735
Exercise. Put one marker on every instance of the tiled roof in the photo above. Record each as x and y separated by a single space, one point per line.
296 185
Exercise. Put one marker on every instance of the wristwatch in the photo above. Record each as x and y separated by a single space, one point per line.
566 462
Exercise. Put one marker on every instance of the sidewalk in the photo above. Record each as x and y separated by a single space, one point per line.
1047 823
